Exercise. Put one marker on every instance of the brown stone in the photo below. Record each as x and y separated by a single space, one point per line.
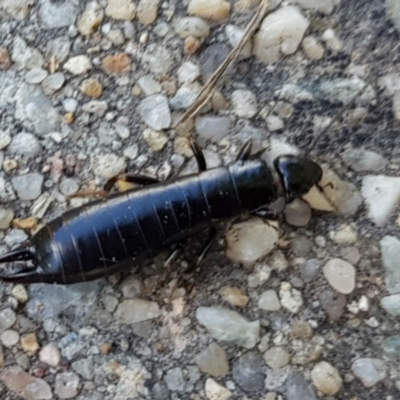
191 45
69 118
119 63
5 61
29 343
27 223
92 88
105 348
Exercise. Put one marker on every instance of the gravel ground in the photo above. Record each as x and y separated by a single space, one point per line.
302 309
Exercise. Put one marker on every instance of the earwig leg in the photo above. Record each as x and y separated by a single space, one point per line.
22 254
245 151
131 178
87 193
212 237
198 153
267 214
179 248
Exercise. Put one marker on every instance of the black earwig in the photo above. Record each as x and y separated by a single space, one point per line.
107 235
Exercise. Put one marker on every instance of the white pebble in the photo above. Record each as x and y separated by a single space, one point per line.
341 275
291 299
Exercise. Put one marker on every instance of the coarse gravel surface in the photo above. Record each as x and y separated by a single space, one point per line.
302 308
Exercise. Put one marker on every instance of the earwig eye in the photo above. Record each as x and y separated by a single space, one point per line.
298 175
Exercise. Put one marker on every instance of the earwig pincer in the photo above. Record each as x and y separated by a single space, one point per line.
110 234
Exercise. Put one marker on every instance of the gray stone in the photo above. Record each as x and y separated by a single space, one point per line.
158 58
297 213
149 85
212 127
6 191
17 9
6 216
213 360
28 186
211 58
14 237
107 165
390 250
185 96
24 56
369 370
49 301
66 385
188 72
137 310
333 303
59 47
36 75
391 304
249 372
310 270
175 380
269 301
341 275
35 111
343 90
53 83
391 347
131 287
277 357
364 160
58 14
393 11
68 186
9 338
27 386
84 367
227 325
297 388
5 139
25 144
7 319
98 107
301 246
191 26
155 112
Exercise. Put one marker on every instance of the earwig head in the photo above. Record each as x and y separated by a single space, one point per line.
297 175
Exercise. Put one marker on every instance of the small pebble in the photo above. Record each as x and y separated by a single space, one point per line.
119 63
333 303
244 103
341 275
364 160
310 270
90 19
155 112
149 85
234 296
147 11
326 378
191 45
250 240
212 127
193 27
92 87
66 385
227 325
20 293
6 216
185 96
36 76
269 301
5 60
215 391
29 343
188 72
291 299
9 338
78 65
313 49
25 145
136 310
121 9
7 319
249 372
370 371
213 361
215 10
131 287
297 213
97 107
50 355
155 139
28 186
390 247
345 234
277 357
